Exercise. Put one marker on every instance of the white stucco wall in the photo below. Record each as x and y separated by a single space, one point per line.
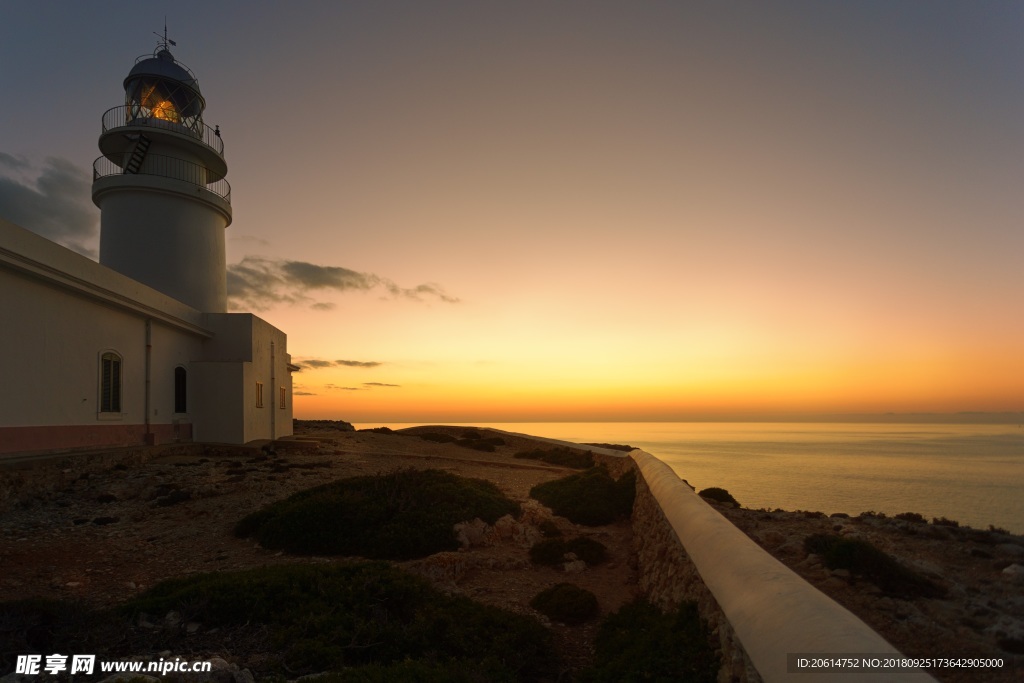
167 240
219 408
261 350
58 327
62 311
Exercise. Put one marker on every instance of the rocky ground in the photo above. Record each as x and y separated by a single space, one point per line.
106 535
983 572
109 535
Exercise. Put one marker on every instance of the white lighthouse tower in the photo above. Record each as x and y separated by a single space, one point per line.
160 186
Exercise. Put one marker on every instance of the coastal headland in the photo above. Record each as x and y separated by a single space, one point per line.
104 528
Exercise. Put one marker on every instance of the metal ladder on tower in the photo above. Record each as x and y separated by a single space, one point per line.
138 154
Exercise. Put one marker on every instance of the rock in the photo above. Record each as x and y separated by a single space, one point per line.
136 678
574 566
1011 549
1014 570
174 497
772 538
472 533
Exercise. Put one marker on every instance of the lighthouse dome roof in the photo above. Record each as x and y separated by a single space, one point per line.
163 65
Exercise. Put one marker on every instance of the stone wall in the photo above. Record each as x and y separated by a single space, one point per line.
668 578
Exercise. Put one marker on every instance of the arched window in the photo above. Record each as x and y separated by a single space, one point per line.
180 400
110 383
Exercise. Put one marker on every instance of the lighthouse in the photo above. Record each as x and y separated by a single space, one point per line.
160 185
139 349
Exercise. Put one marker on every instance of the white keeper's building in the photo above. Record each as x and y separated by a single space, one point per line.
139 348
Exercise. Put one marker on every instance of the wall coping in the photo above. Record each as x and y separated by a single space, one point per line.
772 610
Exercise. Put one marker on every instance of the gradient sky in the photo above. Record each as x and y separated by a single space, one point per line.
467 211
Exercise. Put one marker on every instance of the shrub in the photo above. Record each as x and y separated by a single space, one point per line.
487 445
862 558
552 551
566 603
563 457
396 516
436 437
329 617
591 497
641 643
612 446
942 521
38 625
914 517
378 430
718 495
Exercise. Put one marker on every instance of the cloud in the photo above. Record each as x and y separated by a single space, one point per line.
358 363
56 203
336 387
318 364
303 393
258 283
312 363
379 384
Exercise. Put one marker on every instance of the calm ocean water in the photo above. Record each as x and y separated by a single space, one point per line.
972 473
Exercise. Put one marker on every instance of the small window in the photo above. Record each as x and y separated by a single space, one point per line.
110 383
180 393
259 394
281 394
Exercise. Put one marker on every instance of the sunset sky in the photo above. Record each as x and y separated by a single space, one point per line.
467 211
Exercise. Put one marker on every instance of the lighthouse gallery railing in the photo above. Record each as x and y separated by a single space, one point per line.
166 167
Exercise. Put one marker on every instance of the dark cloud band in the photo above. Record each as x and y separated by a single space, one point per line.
258 283
57 204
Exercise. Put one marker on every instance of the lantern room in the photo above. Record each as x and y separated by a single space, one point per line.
161 88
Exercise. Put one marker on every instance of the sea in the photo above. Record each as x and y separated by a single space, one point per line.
970 473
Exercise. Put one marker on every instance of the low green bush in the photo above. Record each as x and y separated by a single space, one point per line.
552 551
612 446
718 495
563 457
479 444
591 497
566 603
914 517
641 643
397 516
39 625
942 521
862 558
320 618
437 438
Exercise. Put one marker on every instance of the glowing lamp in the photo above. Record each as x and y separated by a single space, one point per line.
158 87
